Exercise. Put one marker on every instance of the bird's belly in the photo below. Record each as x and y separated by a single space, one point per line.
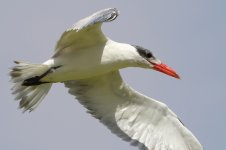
67 75
78 64
76 71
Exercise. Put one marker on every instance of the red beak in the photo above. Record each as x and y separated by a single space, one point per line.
165 69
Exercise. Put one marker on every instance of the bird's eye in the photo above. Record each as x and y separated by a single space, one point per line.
149 55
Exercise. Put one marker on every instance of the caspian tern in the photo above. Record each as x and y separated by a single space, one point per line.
88 63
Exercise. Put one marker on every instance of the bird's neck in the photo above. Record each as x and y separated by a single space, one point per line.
120 54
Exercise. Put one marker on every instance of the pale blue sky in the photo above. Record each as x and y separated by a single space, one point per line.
189 36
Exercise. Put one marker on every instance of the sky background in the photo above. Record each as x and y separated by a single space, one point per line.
189 36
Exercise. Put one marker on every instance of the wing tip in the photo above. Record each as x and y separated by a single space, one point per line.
103 15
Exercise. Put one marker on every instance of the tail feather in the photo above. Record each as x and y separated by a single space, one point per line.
23 71
33 96
29 96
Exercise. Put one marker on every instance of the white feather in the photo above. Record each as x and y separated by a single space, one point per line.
88 62
131 115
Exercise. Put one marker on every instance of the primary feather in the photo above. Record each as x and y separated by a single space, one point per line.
88 63
132 116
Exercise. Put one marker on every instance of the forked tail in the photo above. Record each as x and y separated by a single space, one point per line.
27 88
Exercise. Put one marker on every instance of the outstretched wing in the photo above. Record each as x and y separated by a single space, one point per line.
132 116
87 31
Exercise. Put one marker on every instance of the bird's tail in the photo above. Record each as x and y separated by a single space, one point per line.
27 86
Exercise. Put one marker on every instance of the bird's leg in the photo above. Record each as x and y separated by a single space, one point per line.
36 79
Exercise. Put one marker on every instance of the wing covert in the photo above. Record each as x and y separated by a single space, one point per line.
142 121
87 32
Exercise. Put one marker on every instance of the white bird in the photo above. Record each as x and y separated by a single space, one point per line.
88 63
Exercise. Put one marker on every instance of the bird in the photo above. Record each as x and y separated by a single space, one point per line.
88 63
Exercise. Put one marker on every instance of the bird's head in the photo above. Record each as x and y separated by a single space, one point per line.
148 60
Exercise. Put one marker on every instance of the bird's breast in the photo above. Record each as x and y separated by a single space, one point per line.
80 63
